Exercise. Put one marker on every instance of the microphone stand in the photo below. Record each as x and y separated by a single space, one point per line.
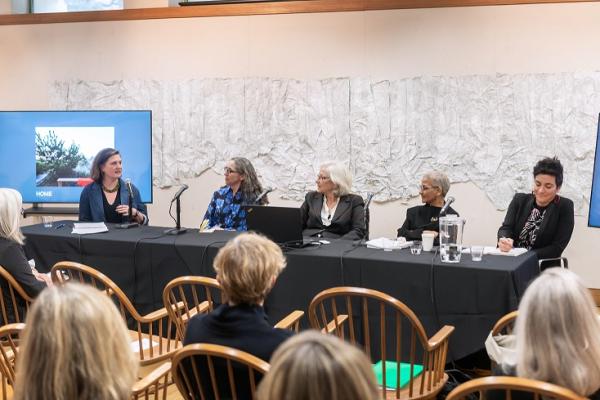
131 223
178 230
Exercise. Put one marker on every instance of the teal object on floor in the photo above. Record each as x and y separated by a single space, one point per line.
391 373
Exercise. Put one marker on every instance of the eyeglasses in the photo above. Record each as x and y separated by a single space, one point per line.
426 188
322 178
228 171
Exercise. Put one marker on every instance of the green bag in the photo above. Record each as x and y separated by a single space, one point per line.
391 373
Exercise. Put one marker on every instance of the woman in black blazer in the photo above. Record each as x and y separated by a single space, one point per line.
332 211
541 221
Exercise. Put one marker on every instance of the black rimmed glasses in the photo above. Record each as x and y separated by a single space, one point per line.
228 171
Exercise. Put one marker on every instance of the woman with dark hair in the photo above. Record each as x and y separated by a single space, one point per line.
106 199
241 187
541 221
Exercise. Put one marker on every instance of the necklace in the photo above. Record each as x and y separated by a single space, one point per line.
107 190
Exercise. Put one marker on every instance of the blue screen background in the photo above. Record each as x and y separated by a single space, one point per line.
594 215
133 138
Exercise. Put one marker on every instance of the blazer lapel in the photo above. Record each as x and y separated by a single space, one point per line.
528 206
341 209
97 206
550 213
317 205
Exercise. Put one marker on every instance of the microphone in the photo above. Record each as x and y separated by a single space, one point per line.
129 188
449 201
263 194
182 189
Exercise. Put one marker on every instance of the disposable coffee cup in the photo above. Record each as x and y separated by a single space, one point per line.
427 239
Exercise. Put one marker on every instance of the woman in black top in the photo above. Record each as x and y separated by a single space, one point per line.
541 221
425 218
12 257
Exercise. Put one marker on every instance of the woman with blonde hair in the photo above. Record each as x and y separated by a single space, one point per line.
247 267
332 211
315 366
75 346
558 334
12 256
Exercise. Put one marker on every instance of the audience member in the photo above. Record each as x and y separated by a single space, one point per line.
315 366
75 346
247 267
558 334
12 256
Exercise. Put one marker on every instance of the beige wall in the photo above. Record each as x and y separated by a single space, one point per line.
380 45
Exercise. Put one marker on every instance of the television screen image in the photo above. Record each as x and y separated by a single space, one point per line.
47 155
594 214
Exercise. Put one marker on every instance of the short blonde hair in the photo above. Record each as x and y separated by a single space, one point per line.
315 366
558 333
75 346
246 267
340 176
439 180
11 204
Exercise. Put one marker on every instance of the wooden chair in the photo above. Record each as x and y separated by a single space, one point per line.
187 296
9 349
505 325
155 385
151 332
596 296
14 301
365 317
216 362
509 384
561 262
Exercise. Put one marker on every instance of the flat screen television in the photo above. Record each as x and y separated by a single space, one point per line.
47 155
594 214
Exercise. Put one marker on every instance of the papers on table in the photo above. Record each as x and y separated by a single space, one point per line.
494 251
86 228
388 244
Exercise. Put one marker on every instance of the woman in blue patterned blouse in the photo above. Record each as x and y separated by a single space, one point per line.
242 187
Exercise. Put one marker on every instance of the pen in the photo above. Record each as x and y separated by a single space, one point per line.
59 226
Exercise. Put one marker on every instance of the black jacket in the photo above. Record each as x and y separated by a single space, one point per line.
12 259
422 218
243 327
556 229
348 222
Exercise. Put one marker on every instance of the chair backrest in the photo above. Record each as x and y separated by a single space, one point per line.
187 296
210 371
387 330
152 332
509 385
505 325
14 301
9 348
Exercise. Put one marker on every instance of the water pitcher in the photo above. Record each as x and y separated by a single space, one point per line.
451 235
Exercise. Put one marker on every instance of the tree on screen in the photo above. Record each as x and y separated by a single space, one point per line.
54 160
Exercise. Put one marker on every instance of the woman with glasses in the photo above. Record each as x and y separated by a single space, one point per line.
332 211
541 221
242 187
12 256
434 187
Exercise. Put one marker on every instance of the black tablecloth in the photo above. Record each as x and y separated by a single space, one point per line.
472 296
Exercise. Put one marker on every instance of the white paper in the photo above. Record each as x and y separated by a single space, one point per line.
135 345
385 243
86 228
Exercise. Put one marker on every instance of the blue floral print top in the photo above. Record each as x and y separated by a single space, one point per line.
225 210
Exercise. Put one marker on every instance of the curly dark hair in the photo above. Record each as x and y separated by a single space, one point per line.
550 166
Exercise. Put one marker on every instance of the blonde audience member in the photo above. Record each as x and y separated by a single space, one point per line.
315 366
558 334
75 346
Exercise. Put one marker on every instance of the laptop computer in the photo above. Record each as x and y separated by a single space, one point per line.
280 224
